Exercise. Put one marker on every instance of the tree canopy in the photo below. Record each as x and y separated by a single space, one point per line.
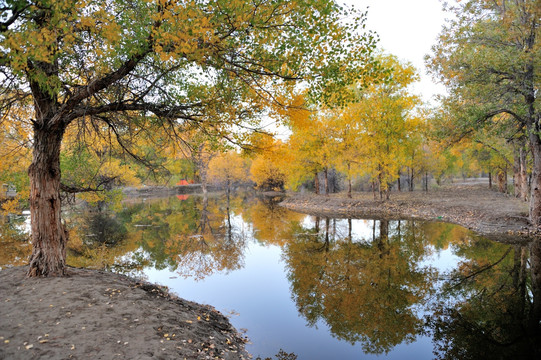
489 57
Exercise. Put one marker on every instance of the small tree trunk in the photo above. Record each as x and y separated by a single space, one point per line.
326 173
516 172
523 174
228 193
411 185
349 180
316 182
490 180
380 190
399 187
49 237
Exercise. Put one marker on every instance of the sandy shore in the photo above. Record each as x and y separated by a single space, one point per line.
475 207
98 315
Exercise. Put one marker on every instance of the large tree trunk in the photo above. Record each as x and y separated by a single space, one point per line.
203 177
523 174
516 171
49 236
535 195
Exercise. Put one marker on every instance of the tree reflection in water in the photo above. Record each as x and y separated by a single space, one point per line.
486 309
365 289
370 289
373 288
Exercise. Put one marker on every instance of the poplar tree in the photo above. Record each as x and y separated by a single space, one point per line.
127 67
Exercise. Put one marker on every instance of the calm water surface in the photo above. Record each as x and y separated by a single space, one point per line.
319 288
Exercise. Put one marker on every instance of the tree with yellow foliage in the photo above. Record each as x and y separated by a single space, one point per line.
381 126
227 168
311 149
133 67
267 167
386 123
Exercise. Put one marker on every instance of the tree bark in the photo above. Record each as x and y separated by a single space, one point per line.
349 180
326 173
411 179
316 182
516 171
535 195
523 174
49 237
380 189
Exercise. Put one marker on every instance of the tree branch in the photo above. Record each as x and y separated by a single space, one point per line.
496 151
78 189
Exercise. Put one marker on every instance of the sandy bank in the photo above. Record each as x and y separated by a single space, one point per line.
98 315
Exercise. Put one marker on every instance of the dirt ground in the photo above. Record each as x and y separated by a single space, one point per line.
468 203
98 315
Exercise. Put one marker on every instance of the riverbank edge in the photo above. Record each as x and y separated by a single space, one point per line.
513 226
43 318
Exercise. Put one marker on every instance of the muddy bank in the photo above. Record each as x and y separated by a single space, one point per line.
473 206
98 315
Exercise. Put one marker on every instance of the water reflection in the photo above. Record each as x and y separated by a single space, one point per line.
189 236
374 284
365 288
486 307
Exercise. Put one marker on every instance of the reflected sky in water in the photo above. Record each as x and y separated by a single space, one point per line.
317 287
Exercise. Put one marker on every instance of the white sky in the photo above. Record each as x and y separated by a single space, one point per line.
407 29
